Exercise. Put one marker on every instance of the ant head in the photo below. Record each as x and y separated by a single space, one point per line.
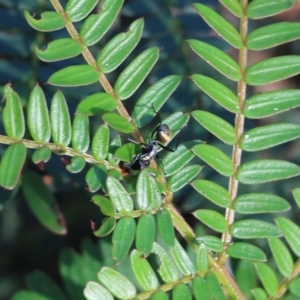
163 133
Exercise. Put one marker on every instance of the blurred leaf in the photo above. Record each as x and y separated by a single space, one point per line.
135 73
267 277
181 291
246 251
183 177
154 97
250 229
60 49
264 137
50 21
148 197
122 238
145 234
291 232
217 159
271 103
100 143
42 203
60 120
38 116
143 271
212 191
218 92
216 125
294 287
96 104
220 25
117 122
11 165
246 277
160 295
165 227
93 290
254 203
116 283
42 284
200 289
214 287
26 295
296 194
182 260
217 58
272 70
119 48
74 76
118 195
259 294
234 6
167 269
272 35
212 219
259 171
77 10
96 25
202 258
282 256
259 9
13 116
211 242
81 133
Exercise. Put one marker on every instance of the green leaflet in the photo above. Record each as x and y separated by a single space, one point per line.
93 290
77 10
212 219
267 277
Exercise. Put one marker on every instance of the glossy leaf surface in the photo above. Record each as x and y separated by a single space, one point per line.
282 256
135 73
260 8
183 177
167 269
220 25
143 271
211 242
264 137
181 291
202 258
260 171
118 49
272 70
254 203
246 251
93 290
117 122
49 21
76 165
267 277
60 120
107 226
212 191
165 227
42 154
154 97
217 58
145 234
97 25
95 177
96 104
105 205
74 76
147 193
217 159
38 116
212 219
118 195
271 103
11 165
100 142
217 91
234 6
59 50
291 232
216 125
81 133
122 238
271 35
13 117
250 229
42 203
116 283
77 10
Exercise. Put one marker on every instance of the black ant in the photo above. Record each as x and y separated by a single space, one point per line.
149 150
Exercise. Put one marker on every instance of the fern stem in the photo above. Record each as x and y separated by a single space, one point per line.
239 127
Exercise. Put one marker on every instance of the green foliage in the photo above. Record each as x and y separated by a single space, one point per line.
144 259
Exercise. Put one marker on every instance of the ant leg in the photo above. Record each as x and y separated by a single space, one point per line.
161 162
135 142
